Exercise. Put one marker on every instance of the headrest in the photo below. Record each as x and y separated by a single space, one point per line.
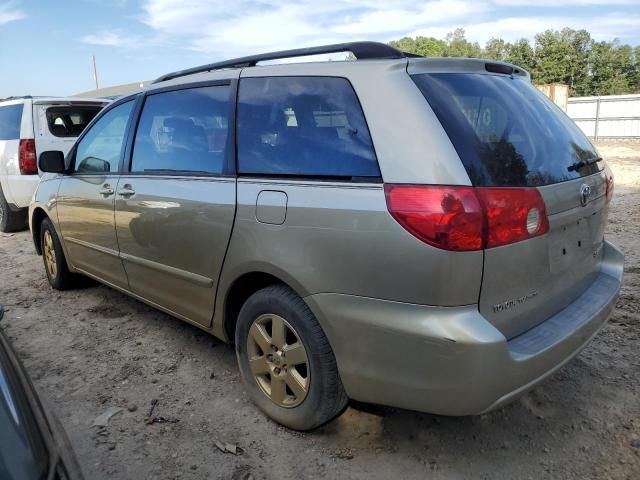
178 123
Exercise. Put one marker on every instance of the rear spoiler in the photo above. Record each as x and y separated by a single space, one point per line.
464 65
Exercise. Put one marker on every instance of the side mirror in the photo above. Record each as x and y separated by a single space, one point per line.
93 165
52 161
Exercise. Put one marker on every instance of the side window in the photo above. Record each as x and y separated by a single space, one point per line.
308 126
10 119
99 150
183 131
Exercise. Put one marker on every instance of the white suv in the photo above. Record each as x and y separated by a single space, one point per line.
29 125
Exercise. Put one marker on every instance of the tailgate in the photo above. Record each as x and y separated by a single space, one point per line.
508 135
526 282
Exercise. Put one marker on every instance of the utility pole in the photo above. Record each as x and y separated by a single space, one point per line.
95 71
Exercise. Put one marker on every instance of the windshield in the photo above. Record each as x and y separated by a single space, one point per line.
505 131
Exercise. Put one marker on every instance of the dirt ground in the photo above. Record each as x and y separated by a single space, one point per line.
91 349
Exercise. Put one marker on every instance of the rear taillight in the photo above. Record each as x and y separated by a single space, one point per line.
450 218
27 160
609 192
513 214
467 218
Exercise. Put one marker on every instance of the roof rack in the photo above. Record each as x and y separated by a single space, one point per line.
16 97
361 50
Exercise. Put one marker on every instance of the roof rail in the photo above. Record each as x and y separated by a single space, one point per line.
361 50
17 97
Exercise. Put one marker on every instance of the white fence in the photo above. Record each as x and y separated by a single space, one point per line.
613 116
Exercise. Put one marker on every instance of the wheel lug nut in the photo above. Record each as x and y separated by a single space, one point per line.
276 370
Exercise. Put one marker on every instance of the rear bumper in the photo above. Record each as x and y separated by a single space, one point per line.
20 189
451 360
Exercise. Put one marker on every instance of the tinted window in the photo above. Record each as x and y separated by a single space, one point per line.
307 126
10 119
183 131
505 131
99 150
70 121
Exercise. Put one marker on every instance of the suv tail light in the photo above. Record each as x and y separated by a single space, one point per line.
27 160
467 218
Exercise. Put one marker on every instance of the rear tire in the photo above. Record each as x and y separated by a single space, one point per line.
55 263
299 386
11 220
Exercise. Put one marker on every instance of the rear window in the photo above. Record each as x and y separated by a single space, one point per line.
10 119
505 131
70 121
303 126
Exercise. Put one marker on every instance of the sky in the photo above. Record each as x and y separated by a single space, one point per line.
46 46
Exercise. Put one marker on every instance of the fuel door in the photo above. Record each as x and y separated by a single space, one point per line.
271 207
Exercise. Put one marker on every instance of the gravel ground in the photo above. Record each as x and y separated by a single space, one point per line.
94 348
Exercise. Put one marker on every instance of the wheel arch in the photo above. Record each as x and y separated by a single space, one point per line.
37 218
242 287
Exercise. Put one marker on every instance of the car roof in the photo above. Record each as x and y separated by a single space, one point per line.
346 69
360 50
371 54
51 100
63 100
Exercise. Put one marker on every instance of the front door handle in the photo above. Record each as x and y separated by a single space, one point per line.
126 191
106 190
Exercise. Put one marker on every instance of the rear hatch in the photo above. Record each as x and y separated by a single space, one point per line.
57 124
509 135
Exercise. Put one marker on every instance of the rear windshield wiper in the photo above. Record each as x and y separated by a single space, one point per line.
583 163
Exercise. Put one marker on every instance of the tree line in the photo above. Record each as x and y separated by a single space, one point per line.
568 56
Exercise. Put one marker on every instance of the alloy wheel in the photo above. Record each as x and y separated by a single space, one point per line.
278 360
49 254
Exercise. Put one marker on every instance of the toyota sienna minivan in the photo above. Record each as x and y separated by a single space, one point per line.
424 233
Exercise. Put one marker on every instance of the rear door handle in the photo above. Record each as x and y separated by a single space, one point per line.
106 190
126 191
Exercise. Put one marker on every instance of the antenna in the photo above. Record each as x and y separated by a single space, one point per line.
95 71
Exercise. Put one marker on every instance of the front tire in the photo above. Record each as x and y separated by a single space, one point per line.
55 263
285 360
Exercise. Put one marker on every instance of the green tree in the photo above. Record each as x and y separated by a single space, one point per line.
521 53
561 57
458 46
580 41
612 69
634 75
566 56
425 46
496 49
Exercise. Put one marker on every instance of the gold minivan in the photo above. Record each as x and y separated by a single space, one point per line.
421 233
